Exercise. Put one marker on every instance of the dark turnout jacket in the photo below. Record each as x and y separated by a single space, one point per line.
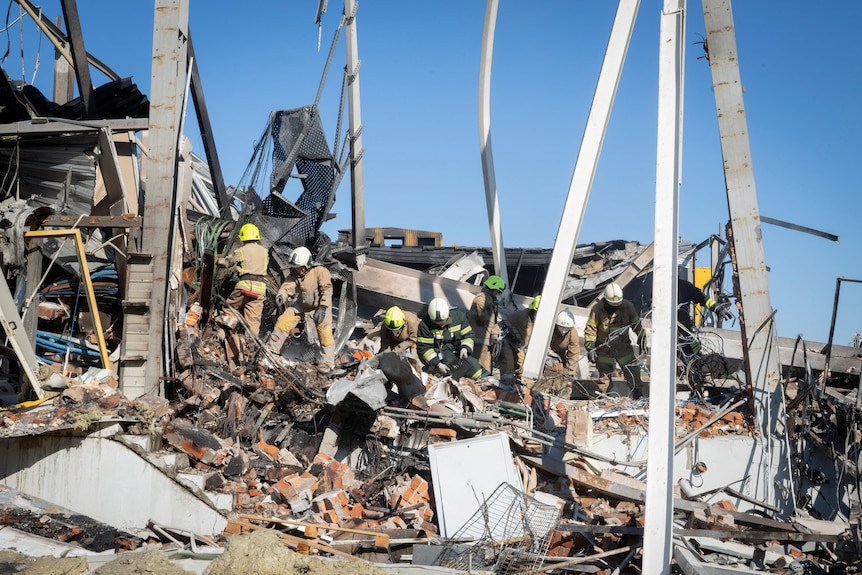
435 344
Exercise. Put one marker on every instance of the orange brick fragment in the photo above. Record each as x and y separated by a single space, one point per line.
270 450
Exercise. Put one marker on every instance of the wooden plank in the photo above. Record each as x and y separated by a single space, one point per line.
74 221
381 540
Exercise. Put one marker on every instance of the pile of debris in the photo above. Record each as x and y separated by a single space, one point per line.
343 464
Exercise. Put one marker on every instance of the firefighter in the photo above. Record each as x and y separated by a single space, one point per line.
687 294
250 261
520 327
307 290
486 321
607 340
444 337
565 342
399 330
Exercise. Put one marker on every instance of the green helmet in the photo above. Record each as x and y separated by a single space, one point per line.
534 305
394 318
249 233
495 283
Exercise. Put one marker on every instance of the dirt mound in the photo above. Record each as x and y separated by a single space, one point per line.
261 552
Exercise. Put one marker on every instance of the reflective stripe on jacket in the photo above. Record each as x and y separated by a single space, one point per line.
250 259
432 340
312 290
609 326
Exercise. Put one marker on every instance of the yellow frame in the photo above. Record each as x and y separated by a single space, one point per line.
88 283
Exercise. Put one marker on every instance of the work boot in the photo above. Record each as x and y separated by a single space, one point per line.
603 383
325 366
508 381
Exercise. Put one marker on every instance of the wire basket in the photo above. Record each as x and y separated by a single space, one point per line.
509 533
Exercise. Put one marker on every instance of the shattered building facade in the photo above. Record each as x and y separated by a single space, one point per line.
177 430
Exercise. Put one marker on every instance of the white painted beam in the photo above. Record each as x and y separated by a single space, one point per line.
658 526
579 188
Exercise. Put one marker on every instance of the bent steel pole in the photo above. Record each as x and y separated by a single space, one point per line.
579 188
491 199
658 525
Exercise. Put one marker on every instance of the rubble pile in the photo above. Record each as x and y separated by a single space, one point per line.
351 477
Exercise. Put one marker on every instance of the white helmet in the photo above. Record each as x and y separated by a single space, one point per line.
565 319
438 310
300 257
613 294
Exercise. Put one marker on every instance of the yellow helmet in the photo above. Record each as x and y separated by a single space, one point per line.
534 305
249 233
394 319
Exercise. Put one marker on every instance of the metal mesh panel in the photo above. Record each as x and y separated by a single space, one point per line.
299 141
510 533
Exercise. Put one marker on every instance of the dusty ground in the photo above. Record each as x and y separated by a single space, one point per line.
262 553
258 553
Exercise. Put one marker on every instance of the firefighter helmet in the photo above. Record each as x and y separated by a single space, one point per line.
438 310
565 319
300 257
613 294
249 233
534 305
394 319
495 283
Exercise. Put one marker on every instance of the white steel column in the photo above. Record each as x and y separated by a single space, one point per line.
357 186
579 188
658 526
756 316
491 199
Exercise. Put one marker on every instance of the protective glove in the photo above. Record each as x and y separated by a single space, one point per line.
642 343
442 368
722 311
592 355
281 299
320 314
464 353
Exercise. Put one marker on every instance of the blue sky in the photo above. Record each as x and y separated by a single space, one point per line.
800 66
